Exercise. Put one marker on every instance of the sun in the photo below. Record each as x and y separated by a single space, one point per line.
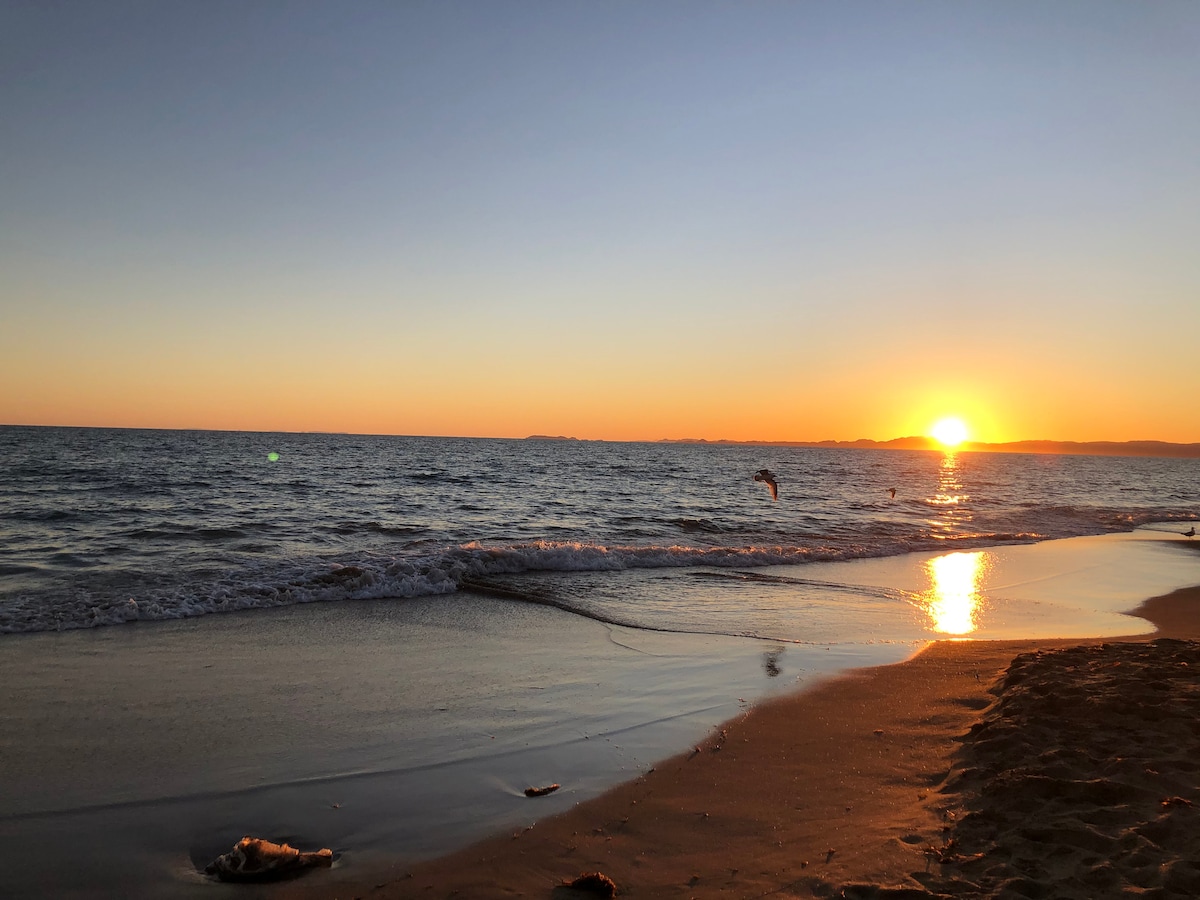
950 431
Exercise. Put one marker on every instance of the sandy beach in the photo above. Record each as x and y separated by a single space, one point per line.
924 778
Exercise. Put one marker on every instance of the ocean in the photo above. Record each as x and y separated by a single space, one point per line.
104 527
375 644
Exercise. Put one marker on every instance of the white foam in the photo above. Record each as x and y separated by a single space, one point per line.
432 574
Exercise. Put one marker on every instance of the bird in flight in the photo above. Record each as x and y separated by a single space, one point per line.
765 476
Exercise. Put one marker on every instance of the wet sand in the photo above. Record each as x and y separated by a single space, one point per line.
364 727
1014 768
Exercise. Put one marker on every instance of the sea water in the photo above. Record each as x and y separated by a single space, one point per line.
105 527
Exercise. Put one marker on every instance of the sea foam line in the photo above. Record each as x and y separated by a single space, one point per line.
442 572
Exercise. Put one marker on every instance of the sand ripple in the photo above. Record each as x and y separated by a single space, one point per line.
1081 781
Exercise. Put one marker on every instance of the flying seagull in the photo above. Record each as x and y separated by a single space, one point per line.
765 476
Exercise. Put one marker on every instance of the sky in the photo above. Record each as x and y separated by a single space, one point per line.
611 219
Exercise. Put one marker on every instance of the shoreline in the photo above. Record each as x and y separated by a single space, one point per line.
843 783
394 733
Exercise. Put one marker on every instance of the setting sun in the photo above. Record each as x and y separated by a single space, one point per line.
949 431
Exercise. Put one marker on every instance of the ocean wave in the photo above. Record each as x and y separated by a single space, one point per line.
436 570
372 528
692 526
343 519
440 572
7 569
43 515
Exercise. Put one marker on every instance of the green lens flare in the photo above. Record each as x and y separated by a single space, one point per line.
273 456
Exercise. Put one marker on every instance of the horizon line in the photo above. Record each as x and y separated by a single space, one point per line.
907 442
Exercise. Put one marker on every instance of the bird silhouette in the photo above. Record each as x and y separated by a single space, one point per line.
892 491
765 476
1191 532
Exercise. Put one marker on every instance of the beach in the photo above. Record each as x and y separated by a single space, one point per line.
402 736
566 449
376 645
870 784
718 449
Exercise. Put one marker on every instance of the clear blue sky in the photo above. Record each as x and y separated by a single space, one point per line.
612 219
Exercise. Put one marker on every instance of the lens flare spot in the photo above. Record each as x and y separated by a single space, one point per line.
273 456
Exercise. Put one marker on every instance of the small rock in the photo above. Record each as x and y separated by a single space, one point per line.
596 883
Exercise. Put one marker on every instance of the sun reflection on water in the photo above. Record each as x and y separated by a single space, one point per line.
951 500
953 598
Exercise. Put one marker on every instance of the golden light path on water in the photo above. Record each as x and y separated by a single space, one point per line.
950 502
953 598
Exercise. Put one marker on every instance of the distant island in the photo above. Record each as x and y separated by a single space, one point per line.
550 437
1080 448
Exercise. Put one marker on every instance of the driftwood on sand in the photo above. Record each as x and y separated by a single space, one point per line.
254 859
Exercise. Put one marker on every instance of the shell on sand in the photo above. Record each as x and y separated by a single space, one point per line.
254 859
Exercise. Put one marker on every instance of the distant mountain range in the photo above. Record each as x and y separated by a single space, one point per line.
1082 448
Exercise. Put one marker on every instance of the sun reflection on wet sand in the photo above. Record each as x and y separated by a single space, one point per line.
953 598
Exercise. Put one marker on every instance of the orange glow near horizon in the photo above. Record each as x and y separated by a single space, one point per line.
264 393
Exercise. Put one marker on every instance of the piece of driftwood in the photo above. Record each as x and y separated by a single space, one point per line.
541 791
253 859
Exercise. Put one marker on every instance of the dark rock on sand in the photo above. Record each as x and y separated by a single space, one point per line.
590 884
